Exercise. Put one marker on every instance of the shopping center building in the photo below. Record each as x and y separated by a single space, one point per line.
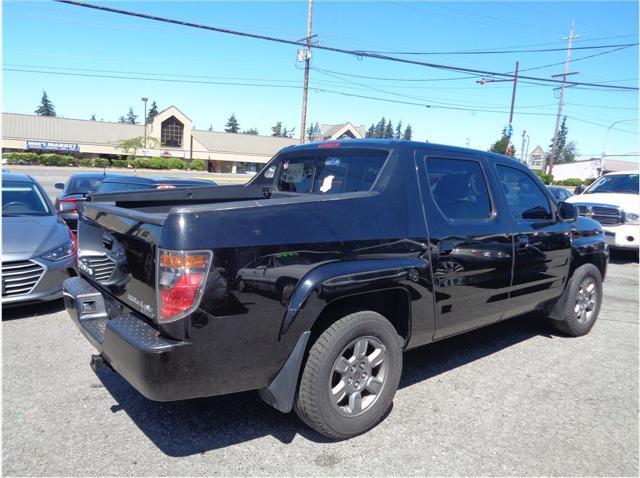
173 133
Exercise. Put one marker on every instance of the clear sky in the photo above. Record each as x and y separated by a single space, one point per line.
62 39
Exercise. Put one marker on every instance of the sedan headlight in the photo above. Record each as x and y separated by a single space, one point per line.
61 252
631 218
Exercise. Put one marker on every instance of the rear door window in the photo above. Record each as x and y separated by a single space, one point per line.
330 172
459 188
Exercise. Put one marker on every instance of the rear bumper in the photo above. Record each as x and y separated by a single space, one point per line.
154 365
622 236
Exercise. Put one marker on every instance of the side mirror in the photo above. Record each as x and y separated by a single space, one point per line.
578 189
59 186
567 212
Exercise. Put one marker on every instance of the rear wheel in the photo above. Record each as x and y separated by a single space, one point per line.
351 375
583 302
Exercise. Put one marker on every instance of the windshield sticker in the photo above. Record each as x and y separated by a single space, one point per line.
332 162
326 184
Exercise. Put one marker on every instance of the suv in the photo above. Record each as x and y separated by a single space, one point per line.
309 282
614 201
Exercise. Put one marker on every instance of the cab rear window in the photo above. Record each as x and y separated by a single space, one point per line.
330 172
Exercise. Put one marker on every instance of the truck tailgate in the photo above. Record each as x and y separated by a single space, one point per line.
117 251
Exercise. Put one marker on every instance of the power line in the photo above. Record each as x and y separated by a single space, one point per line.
499 52
327 48
315 88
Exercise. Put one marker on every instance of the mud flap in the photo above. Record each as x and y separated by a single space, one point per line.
282 390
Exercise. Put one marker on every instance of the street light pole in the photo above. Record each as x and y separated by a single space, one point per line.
144 121
604 144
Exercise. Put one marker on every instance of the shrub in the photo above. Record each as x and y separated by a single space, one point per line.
545 178
196 165
119 163
22 158
158 163
569 182
174 163
85 162
588 181
101 162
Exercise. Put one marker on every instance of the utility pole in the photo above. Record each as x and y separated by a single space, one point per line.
522 158
564 74
509 130
305 90
144 120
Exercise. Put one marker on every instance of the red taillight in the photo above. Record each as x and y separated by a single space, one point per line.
68 205
181 279
329 145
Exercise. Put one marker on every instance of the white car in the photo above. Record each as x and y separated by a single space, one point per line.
614 201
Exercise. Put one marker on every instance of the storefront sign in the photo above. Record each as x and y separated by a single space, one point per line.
52 146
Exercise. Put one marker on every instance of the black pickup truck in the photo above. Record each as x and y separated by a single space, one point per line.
309 282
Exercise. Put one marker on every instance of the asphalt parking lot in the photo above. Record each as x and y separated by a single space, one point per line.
511 399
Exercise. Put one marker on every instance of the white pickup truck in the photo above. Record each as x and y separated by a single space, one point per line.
614 201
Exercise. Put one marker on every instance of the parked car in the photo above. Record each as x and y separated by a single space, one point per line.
614 201
385 246
560 193
122 182
75 192
38 249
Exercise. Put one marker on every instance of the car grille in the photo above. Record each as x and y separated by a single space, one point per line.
19 278
606 215
102 267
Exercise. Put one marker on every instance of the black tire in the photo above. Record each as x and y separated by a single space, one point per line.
313 402
571 323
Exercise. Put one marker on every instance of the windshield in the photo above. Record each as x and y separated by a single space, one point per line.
616 183
20 198
330 172
84 184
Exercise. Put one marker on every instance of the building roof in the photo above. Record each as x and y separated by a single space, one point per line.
239 143
53 128
331 129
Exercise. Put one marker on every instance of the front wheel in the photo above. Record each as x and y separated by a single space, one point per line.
351 376
583 302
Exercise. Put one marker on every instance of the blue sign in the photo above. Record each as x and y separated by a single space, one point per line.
509 131
52 146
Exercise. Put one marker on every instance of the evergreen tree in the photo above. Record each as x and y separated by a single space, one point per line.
371 131
232 125
277 129
388 130
251 131
407 133
131 117
122 119
500 146
565 152
46 107
380 128
398 134
93 118
152 113
210 127
313 131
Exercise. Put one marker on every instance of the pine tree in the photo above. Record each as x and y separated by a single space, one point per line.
152 113
500 146
312 131
93 118
565 152
122 119
407 133
388 130
46 107
232 125
210 127
371 131
251 131
398 134
277 129
131 117
380 128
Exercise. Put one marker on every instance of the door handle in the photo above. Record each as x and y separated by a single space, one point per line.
522 243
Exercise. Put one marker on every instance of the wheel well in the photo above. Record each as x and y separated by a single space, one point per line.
393 304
